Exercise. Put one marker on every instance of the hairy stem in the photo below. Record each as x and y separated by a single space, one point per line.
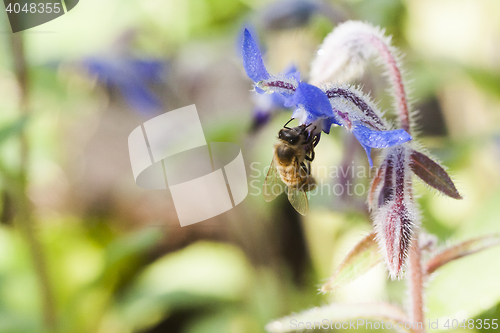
415 278
24 212
415 284
396 81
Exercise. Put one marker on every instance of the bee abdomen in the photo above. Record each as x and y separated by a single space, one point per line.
309 184
296 179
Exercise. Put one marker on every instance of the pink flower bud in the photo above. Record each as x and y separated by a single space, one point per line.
396 217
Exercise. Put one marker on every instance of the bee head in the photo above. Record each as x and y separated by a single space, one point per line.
290 135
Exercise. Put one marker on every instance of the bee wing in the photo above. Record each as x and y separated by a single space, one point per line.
273 185
298 199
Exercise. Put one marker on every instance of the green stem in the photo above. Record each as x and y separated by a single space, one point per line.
25 220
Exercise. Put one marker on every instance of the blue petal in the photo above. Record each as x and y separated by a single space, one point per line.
278 101
140 97
122 70
266 106
368 151
132 77
153 70
327 123
260 118
291 14
241 36
312 99
102 69
292 73
290 70
378 139
252 59
259 90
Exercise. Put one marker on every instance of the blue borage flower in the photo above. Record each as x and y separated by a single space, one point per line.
327 105
132 77
267 105
291 14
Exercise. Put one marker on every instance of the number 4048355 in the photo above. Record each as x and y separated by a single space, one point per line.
34 8
472 324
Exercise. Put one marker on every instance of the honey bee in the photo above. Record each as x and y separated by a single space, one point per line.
291 165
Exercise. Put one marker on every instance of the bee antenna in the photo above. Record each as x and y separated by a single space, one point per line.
288 122
304 129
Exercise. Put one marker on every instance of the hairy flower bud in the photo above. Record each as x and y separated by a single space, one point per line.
395 215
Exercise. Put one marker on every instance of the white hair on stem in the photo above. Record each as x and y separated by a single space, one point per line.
347 50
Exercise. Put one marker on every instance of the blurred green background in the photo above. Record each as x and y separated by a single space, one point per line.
114 255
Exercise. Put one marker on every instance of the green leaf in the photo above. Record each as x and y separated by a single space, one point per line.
134 244
202 274
461 250
360 260
13 128
433 174
487 79
343 314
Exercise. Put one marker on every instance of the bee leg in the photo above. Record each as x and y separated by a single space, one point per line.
316 139
310 137
310 149
306 168
303 167
312 154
